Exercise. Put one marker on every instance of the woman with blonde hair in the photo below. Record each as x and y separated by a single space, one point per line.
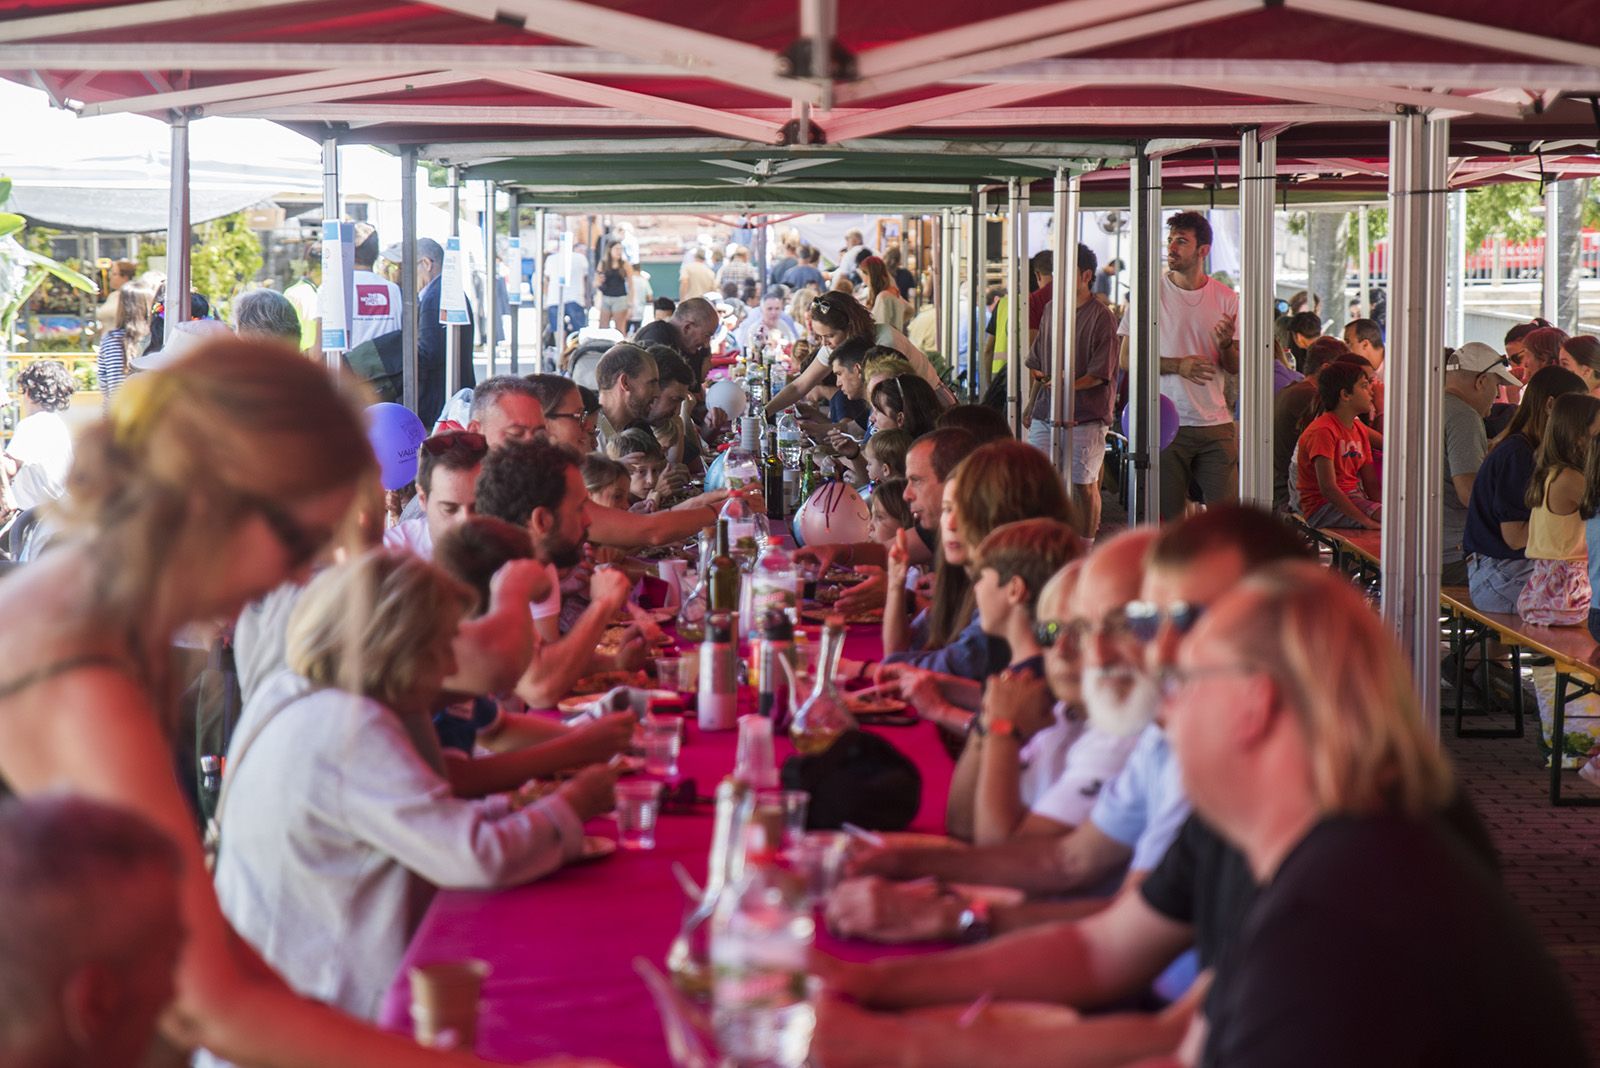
335 769
212 482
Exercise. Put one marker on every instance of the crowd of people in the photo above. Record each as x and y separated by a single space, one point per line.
1192 750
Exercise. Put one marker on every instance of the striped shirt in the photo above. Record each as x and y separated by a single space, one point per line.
109 366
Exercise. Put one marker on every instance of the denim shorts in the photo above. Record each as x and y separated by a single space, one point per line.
1496 584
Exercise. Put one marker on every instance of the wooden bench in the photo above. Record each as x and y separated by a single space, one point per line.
1573 651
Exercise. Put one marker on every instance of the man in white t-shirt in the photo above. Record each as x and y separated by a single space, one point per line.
566 288
1197 345
376 308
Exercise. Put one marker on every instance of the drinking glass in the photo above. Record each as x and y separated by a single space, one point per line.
793 804
444 1002
754 761
638 805
663 740
667 672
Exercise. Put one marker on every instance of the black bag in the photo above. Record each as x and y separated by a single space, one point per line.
379 363
861 779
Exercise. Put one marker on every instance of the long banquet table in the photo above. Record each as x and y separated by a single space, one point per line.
562 948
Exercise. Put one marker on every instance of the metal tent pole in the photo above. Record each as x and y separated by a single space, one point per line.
940 261
1015 325
540 301
1456 333
1258 168
1552 256
514 287
1413 413
1363 267
452 334
408 277
491 304
950 289
1144 349
331 210
977 370
1064 320
177 304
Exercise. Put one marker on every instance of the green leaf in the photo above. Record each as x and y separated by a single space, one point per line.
60 271
5 189
9 223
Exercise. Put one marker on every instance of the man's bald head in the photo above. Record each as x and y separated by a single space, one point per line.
1112 574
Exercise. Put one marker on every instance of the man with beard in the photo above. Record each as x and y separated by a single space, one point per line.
1136 814
538 485
1113 954
629 383
1197 345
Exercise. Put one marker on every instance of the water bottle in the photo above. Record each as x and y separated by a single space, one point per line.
790 441
717 704
776 584
747 531
761 937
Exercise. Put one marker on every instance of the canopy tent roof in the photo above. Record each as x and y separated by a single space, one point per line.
1322 75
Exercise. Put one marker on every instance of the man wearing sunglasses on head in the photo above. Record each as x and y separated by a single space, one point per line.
1190 898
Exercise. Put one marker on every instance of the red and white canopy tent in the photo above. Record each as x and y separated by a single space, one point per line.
1419 95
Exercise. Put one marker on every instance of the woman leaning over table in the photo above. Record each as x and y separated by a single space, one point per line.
338 820
211 483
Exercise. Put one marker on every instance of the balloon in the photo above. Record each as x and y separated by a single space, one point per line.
715 477
395 433
1169 421
833 515
729 396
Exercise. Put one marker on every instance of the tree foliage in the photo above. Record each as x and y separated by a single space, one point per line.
226 255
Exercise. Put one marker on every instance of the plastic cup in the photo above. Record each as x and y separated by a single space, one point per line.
444 1002
662 742
793 804
819 859
667 672
638 805
754 762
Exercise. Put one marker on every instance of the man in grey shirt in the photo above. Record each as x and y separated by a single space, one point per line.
1473 375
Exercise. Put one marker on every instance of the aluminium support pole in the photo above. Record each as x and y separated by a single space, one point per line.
939 262
408 277
331 210
514 287
1144 347
1258 172
452 334
1064 321
1551 289
977 370
1413 412
491 273
951 286
1363 266
177 302
1016 324
1456 328
542 316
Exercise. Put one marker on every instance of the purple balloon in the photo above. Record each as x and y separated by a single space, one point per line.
395 433
1169 421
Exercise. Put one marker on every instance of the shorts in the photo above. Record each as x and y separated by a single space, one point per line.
1088 448
613 305
1496 584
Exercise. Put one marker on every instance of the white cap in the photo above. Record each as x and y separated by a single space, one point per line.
181 340
1479 358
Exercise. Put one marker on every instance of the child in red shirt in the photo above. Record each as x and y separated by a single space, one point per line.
1337 482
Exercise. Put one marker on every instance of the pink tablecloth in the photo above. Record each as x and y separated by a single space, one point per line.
562 948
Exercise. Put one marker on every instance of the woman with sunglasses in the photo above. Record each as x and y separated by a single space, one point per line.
835 319
212 482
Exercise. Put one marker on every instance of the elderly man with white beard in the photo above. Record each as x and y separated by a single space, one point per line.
1109 956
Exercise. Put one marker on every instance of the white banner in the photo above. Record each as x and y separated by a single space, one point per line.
452 297
338 283
514 262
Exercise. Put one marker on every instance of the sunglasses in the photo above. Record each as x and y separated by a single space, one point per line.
470 440
1145 619
1049 631
300 545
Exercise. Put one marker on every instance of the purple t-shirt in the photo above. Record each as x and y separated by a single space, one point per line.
1097 353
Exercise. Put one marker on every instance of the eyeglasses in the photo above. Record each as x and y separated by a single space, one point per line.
1173 681
300 545
469 440
582 417
1145 619
1049 631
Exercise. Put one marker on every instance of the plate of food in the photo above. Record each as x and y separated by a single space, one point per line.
871 704
596 848
601 681
820 614
665 702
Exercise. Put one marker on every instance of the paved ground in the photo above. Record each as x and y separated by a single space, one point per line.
1551 856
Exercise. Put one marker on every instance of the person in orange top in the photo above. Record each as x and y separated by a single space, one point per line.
1337 481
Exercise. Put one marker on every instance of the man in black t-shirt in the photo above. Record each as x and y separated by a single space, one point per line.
1376 937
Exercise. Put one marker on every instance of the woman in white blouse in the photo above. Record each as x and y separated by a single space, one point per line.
337 820
40 452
